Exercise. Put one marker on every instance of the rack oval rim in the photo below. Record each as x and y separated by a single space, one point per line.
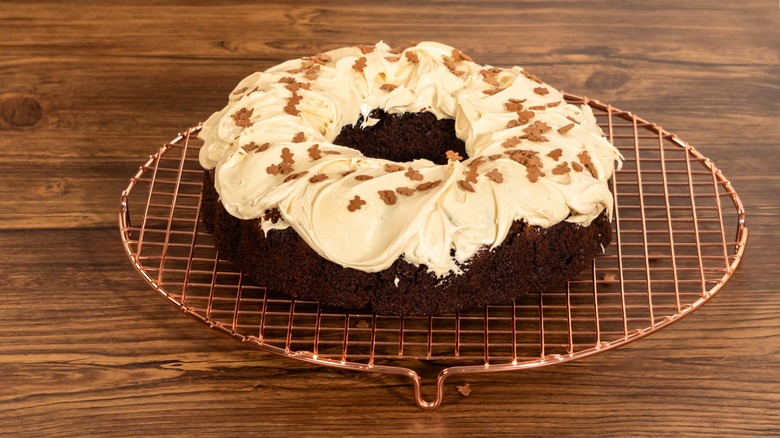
733 250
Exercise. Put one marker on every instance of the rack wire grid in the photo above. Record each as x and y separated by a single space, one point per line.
679 234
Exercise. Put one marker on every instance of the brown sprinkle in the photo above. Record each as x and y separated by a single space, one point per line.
513 105
489 78
465 185
295 176
413 175
572 119
511 142
553 104
360 64
532 77
524 157
263 147
471 175
287 156
241 117
524 116
412 57
536 130
564 129
460 56
586 161
388 196
299 138
393 58
285 168
355 203
576 166
290 108
295 86
491 91
388 87
399 49
365 49
428 185
494 157
476 162
318 178
363 177
311 72
495 176
314 152
534 173
452 67
390 168
273 169
555 154
406 191
561 169
249 147
537 108
541 91
453 156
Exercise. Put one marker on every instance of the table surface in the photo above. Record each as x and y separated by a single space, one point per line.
89 89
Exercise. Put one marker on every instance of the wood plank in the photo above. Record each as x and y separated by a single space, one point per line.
89 89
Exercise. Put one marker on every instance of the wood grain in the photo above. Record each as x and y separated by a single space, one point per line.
89 89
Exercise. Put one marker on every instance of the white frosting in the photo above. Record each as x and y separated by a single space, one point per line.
466 210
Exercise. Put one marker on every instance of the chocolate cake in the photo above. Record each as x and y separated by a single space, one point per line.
405 181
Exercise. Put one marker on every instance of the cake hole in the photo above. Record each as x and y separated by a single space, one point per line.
404 137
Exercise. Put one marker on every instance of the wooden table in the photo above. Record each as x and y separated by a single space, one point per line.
89 89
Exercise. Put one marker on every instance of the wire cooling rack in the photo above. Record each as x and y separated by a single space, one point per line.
679 233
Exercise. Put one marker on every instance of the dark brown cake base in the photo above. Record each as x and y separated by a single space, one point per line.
530 260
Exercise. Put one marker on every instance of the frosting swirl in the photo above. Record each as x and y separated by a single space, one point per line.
532 156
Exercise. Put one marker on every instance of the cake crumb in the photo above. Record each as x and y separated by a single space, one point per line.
464 390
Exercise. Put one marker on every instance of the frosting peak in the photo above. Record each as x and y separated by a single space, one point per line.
532 156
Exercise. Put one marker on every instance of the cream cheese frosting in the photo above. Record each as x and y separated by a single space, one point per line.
532 157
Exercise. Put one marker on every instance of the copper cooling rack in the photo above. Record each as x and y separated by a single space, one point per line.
679 233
